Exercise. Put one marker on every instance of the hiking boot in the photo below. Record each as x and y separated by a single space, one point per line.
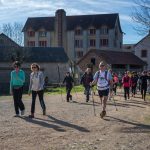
103 113
22 112
16 115
31 116
44 112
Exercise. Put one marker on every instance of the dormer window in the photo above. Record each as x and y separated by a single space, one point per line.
78 31
104 30
42 34
92 31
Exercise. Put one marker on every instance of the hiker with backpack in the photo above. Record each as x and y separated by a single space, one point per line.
86 79
103 78
69 84
126 85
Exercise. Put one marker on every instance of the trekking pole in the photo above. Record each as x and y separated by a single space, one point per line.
115 103
75 92
59 82
93 101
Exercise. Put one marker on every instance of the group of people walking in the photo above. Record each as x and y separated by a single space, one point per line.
36 87
105 80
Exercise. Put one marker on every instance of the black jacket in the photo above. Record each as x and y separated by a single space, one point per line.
86 79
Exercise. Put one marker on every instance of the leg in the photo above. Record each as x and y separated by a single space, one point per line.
20 103
34 93
15 101
87 93
41 94
128 92
68 93
125 91
145 89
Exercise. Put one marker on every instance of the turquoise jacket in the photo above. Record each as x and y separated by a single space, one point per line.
17 79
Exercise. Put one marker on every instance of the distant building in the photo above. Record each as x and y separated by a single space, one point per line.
142 50
128 48
117 61
77 34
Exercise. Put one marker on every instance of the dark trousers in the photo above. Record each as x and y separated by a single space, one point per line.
126 92
40 95
143 91
115 88
133 89
17 96
68 91
87 92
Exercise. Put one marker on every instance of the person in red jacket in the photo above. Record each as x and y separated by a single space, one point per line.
126 85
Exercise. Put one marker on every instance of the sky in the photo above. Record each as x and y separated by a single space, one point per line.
19 10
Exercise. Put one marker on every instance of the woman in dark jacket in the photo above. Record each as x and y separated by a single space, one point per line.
86 79
69 84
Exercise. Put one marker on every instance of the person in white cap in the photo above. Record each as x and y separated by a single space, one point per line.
103 78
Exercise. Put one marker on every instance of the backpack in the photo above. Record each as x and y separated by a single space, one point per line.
105 75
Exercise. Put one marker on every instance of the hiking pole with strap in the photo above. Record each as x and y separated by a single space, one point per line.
93 101
59 82
115 103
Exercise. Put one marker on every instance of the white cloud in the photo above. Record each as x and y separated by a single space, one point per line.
20 10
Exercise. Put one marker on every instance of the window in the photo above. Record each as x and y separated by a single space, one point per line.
143 53
42 43
104 42
92 42
78 32
78 43
31 43
93 61
79 54
92 31
42 34
31 33
104 30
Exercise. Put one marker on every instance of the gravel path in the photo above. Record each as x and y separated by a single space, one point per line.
73 126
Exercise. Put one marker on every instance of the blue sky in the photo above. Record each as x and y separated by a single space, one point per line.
19 10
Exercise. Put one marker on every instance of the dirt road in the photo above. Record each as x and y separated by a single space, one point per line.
73 126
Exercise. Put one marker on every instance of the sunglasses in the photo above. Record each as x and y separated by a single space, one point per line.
16 66
34 67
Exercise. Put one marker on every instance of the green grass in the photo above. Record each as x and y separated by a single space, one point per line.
62 90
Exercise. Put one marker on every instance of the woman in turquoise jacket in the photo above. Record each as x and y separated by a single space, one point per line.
16 87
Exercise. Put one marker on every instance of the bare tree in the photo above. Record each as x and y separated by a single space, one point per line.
13 31
141 15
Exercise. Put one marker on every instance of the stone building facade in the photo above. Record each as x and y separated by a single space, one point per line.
77 34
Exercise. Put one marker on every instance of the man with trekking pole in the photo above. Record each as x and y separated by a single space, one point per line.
103 79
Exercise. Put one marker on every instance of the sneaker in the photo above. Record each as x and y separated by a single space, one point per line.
31 116
22 112
103 113
44 112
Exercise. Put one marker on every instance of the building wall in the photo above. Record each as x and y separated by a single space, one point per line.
61 37
50 70
144 45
